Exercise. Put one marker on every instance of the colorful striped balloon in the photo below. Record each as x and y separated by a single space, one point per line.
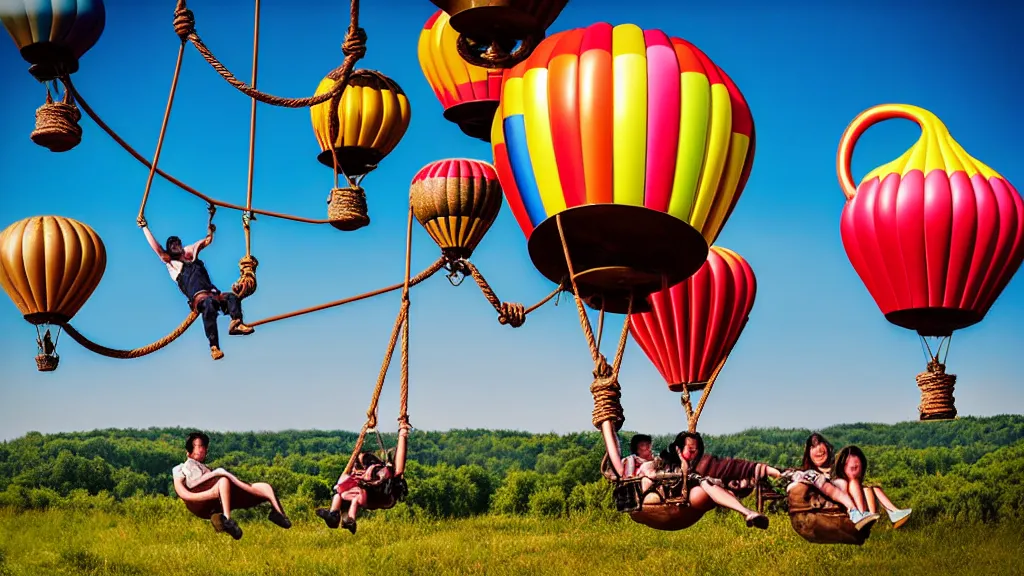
935 235
456 201
469 94
626 116
499 33
693 326
53 34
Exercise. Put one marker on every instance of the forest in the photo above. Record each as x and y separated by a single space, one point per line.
967 470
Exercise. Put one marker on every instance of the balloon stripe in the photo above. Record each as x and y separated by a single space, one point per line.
40 19
962 236
907 216
937 217
88 26
522 166
729 187
563 95
537 123
693 132
719 134
985 245
662 120
629 142
596 111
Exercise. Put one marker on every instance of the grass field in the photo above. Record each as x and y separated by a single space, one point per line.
95 542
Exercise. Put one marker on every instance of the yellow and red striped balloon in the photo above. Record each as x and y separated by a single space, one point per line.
457 84
622 115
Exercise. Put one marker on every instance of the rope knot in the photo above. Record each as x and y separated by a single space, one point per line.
355 43
512 313
57 126
245 286
184 22
371 420
937 401
346 208
606 392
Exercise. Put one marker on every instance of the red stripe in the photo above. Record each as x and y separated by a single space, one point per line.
564 114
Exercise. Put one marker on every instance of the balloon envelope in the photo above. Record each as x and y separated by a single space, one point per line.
373 115
469 94
54 34
934 235
693 326
456 201
49 266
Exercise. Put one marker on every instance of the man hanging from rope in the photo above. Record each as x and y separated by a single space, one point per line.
189 272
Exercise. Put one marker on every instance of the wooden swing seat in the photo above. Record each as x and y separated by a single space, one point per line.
820 520
206 505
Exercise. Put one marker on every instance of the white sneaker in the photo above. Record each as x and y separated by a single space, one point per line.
899 517
862 519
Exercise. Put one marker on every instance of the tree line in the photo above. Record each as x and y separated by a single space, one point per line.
970 469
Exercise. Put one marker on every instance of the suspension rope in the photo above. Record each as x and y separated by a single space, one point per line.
693 418
511 313
246 284
136 352
401 323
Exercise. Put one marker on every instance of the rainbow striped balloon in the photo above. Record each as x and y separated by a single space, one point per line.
453 80
622 115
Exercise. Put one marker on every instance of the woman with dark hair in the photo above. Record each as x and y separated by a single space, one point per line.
703 493
639 453
851 465
816 470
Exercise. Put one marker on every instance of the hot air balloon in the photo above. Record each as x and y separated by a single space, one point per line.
638 141
49 266
935 236
373 115
53 34
693 326
499 33
469 94
456 201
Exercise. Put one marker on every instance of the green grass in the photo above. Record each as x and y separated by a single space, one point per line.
80 543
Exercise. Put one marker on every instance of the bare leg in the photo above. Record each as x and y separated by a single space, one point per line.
223 488
832 492
265 490
869 497
876 491
353 509
726 499
856 491
336 503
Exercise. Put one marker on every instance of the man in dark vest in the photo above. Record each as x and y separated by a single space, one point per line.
189 273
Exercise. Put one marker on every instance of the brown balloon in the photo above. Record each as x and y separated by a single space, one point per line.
49 266
456 201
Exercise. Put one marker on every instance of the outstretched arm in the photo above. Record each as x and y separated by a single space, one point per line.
400 451
192 251
155 245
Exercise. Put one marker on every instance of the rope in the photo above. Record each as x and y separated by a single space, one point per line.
937 402
346 208
693 418
511 313
134 353
401 323
354 48
247 215
57 127
245 286
141 219
66 80
430 271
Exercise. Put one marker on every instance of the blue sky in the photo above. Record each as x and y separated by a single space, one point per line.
816 351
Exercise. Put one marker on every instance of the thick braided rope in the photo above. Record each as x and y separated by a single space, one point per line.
511 313
245 286
354 48
605 389
136 352
937 401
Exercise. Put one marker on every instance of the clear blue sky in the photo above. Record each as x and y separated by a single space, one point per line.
816 351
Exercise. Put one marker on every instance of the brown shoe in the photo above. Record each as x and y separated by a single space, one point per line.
239 328
215 353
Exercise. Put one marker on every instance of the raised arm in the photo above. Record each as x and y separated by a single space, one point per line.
401 450
155 245
192 250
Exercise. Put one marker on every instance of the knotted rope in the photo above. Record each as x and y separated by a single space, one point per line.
692 416
937 402
136 352
57 126
346 208
354 48
245 286
509 313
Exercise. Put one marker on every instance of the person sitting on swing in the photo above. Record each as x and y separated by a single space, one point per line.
703 493
369 485
189 273
851 465
816 471
208 488
640 452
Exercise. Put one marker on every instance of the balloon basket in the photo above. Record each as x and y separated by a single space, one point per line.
346 209
352 160
937 401
47 362
934 321
473 118
618 251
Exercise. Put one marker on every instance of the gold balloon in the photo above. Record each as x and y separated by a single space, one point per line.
49 266
373 115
